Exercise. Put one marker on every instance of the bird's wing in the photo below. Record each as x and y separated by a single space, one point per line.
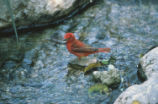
82 48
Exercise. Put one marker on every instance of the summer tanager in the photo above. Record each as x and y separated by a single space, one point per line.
80 49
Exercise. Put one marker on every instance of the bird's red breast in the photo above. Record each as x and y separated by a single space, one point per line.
80 49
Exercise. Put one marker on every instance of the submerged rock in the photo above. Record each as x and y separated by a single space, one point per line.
37 11
9 64
147 92
110 77
98 88
16 70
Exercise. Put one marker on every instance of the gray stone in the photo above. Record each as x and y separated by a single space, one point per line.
28 12
149 62
110 77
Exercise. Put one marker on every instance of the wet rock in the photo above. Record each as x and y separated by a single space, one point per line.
7 70
14 70
76 66
29 57
37 11
83 62
9 65
110 77
145 93
98 88
19 73
92 66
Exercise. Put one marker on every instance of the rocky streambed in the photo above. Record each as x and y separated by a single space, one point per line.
37 70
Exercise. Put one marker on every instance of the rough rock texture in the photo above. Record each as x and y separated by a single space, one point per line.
149 62
110 77
147 92
28 12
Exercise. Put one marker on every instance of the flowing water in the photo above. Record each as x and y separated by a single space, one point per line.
36 71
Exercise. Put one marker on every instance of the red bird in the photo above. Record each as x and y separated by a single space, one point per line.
80 49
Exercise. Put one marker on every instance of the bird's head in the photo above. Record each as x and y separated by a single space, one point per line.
69 37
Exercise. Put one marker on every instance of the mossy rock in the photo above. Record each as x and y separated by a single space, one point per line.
91 66
102 88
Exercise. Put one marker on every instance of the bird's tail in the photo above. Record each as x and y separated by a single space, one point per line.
106 50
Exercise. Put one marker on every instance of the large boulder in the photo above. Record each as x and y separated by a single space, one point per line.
30 12
147 92
149 62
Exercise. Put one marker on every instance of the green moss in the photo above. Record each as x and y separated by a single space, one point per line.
98 88
91 66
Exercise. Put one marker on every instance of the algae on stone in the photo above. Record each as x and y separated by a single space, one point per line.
102 88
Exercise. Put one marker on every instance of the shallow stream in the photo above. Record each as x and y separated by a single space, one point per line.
36 72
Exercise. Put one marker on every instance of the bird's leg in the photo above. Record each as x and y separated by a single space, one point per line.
79 58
